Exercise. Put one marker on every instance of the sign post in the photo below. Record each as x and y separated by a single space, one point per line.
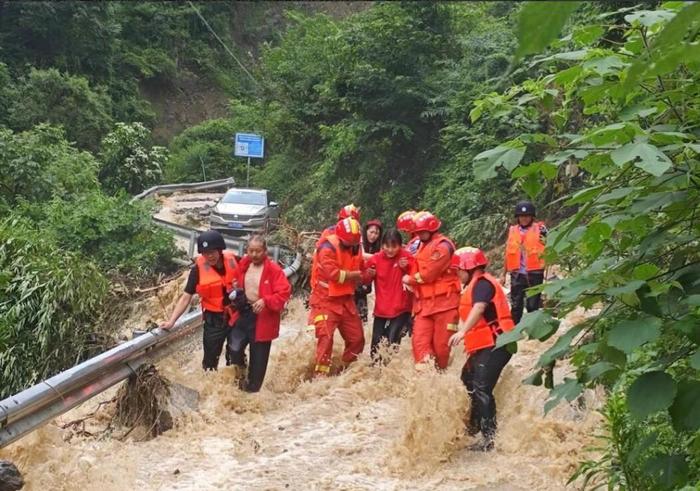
248 145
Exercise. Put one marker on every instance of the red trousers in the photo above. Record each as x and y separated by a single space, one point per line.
348 322
431 334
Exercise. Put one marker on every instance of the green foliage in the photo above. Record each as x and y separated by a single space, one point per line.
129 161
40 164
50 300
48 96
118 235
205 152
46 179
624 115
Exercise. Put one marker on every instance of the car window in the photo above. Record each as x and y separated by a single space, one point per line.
245 198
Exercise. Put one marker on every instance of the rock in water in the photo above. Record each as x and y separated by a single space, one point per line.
10 478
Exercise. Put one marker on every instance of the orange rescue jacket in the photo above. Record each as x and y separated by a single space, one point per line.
446 283
530 243
212 286
482 334
347 261
314 259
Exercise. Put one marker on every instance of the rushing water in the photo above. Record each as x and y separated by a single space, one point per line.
367 428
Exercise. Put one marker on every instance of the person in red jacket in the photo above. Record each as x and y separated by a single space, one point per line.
484 315
339 266
371 243
437 288
212 278
392 304
262 294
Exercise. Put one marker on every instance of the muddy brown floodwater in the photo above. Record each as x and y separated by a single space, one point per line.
386 428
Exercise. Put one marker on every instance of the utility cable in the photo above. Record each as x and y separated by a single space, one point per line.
228 50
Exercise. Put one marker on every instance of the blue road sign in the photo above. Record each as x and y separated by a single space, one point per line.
249 145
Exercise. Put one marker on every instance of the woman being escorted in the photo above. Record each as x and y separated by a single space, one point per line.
261 297
392 305
371 244
484 314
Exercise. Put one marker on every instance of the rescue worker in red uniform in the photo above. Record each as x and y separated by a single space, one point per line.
212 278
436 287
339 266
523 259
347 211
484 314
263 291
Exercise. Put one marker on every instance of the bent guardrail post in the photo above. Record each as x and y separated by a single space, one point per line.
37 405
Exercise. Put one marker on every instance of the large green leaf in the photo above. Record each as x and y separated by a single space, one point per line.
631 334
510 337
568 390
598 369
561 347
650 393
649 18
532 186
669 471
539 324
540 23
685 411
507 155
695 360
650 158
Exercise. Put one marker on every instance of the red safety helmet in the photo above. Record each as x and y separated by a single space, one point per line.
349 211
348 230
470 258
405 223
426 222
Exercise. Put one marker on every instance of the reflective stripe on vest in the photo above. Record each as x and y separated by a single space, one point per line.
529 242
211 284
483 335
448 282
346 262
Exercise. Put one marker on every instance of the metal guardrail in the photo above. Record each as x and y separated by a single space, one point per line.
185 186
37 405
235 244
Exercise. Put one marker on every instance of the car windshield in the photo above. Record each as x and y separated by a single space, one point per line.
245 198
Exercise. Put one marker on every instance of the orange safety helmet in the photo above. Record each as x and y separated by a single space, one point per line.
405 223
349 211
348 230
426 222
470 258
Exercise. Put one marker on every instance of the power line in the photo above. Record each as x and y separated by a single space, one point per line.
199 14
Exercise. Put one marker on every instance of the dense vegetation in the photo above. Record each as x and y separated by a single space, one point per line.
589 108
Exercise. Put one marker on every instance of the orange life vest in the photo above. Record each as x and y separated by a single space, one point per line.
211 286
530 243
314 259
445 284
347 261
482 334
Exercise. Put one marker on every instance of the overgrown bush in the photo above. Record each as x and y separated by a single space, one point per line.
39 164
50 301
130 161
118 235
49 96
